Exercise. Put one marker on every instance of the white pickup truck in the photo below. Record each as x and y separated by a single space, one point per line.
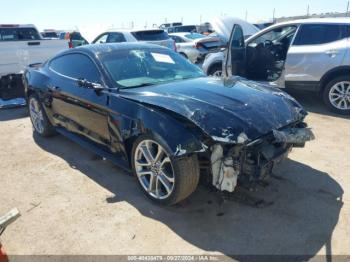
21 46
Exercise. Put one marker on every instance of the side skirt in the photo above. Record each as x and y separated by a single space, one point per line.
85 143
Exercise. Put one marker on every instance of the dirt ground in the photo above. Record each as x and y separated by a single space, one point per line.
74 203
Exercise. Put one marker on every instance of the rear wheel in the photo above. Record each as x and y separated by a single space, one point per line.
215 70
163 179
41 123
336 95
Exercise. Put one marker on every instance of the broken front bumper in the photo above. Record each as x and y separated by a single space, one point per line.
256 160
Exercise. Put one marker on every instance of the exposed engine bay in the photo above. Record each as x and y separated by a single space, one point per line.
245 164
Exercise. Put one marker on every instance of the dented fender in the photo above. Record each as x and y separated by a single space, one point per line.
135 118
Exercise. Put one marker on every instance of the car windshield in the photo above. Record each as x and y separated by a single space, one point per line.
143 67
195 36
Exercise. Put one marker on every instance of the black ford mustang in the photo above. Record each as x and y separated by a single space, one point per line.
148 109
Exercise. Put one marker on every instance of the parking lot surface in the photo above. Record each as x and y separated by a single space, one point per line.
72 202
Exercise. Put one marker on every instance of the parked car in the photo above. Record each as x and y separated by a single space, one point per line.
195 46
166 25
75 39
311 55
20 46
49 34
212 64
182 29
149 110
153 36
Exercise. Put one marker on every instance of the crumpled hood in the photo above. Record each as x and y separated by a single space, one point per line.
226 110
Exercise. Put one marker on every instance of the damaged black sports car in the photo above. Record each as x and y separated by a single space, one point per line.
149 110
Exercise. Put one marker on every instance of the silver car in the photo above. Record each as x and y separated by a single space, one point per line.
152 36
194 46
311 55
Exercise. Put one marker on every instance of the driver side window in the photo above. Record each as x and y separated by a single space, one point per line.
76 66
276 35
102 39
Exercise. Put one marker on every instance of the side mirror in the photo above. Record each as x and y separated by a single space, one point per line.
89 85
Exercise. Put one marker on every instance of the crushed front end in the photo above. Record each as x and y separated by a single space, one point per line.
252 161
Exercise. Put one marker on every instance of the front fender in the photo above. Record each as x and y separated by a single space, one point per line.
134 119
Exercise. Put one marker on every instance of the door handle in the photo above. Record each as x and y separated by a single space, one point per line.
332 53
33 43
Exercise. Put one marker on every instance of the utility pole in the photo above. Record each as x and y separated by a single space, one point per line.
347 9
246 15
308 10
200 19
273 15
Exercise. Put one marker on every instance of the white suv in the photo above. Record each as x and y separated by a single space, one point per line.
152 36
311 54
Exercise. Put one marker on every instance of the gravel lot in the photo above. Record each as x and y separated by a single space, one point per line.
72 202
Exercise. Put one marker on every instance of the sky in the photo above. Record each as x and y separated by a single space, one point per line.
71 14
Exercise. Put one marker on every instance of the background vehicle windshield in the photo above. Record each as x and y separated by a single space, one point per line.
195 36
133 68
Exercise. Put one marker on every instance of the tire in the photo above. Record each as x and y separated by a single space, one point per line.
38 117
215 70
338 88
181 175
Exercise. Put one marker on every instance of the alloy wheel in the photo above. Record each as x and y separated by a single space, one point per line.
339 95
154 169
36 115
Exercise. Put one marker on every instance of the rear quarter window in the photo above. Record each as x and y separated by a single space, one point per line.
151 35
317 34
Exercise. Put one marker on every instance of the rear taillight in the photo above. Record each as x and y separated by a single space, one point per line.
70 44
198 45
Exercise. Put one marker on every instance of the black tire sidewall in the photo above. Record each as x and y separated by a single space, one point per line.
325 95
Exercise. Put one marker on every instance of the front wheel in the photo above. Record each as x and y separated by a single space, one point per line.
215 70
163 179
41 123
336 95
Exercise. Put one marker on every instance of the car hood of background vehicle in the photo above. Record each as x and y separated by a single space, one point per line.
226 110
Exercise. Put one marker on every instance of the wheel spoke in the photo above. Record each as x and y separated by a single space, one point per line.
142 164
145 173
146 153
162 179
152 183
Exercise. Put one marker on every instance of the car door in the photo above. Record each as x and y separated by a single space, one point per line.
235 54
316 49
78 109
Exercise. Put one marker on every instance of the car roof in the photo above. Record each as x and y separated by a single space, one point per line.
133 30
17 26
340 20
302 21
98 49
181 34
